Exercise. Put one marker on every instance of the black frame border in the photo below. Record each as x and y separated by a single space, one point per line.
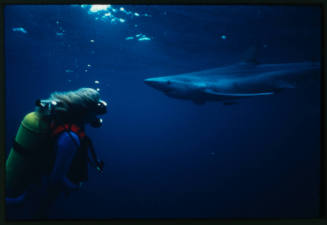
323 136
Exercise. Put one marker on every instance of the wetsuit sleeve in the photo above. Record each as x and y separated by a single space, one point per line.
66 149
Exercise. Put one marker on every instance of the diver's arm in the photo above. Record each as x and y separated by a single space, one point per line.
15 200
67 146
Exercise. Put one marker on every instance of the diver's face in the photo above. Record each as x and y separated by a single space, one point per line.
93 120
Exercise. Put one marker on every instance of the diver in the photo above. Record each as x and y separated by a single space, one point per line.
50 154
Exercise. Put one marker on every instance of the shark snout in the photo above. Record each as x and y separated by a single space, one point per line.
159 83
155 82
150 81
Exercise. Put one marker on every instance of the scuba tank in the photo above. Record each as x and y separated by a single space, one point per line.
32 154
29 155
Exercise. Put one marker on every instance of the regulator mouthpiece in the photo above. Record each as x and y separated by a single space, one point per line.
96 123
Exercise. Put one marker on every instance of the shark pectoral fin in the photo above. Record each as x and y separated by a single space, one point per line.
199 101
208 91
230 103
283 84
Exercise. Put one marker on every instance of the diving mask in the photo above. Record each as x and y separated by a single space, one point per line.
101 107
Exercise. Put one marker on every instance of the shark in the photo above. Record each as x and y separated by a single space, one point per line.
231 83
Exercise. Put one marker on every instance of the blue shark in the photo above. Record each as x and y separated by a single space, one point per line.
231 83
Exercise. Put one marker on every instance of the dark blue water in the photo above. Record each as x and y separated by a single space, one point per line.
169 158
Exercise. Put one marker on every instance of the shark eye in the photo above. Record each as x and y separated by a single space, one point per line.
168 82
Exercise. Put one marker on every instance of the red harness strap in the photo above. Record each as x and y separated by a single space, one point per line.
68 127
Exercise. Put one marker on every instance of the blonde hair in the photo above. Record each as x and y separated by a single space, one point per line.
75 103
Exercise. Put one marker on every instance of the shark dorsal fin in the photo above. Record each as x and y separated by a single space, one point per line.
250 56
